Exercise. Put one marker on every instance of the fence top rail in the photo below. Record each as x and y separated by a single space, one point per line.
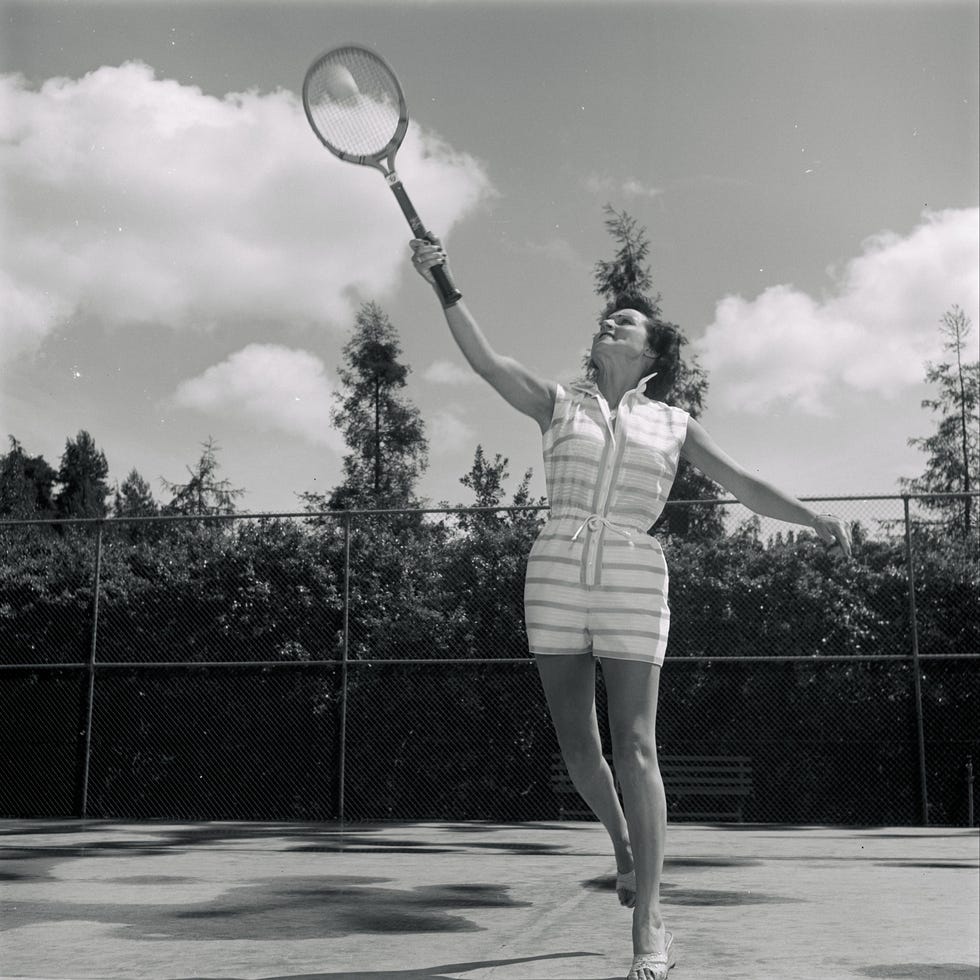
342 515
905 658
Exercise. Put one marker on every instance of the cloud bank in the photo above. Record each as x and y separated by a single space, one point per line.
131 199
628 186
448 431
270 387
872 332
443 372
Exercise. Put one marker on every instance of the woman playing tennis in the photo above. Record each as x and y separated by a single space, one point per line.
596 584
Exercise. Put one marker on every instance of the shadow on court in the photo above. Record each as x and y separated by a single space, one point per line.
921 971
104 900
447 971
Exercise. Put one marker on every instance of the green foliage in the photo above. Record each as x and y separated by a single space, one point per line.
46 593
189 742
628 272
82 477
953 451
26 485
134 498
384 431
203 493
487 480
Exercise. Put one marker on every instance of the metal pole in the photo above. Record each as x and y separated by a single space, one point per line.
345 650
969 791
90 691
916 673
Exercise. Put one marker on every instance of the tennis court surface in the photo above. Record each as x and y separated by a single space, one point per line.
425 901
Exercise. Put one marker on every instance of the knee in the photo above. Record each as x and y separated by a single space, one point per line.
582 759
636 752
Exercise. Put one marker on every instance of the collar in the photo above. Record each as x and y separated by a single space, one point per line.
591 388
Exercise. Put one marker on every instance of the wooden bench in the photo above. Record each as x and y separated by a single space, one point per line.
686 777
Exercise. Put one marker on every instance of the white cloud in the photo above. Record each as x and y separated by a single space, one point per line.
447 373
872 333
448 432
628 187
554 249
133 199
269 387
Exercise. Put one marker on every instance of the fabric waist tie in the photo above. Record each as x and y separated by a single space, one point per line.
594 521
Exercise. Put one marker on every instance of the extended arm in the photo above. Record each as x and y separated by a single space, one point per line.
528 393
757 494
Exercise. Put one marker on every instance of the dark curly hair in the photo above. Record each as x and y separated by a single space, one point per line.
665 340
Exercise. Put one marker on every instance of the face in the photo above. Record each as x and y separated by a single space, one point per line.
622 335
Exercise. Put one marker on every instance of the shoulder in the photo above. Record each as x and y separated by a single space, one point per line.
673 418
578 389
677 415
567 396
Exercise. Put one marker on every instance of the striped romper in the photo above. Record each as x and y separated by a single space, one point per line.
596 581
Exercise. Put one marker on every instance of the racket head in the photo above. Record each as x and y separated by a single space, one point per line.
355 105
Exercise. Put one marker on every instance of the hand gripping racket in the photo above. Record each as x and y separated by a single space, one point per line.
357 109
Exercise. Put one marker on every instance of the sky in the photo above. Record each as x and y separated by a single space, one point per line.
182 260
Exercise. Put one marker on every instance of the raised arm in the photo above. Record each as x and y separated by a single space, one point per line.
757 494
528 393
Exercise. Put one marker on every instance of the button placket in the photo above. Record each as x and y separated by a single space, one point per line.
605 484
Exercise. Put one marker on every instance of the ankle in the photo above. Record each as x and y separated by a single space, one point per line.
624 856
651 918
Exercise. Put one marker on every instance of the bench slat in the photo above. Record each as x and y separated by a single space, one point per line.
684 776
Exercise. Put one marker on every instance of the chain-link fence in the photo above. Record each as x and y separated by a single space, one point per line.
373 665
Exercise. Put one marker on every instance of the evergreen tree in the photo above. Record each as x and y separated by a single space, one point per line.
134 498
382 428
203 493
953 464
486 479
626 280
628 272
26 485
82 476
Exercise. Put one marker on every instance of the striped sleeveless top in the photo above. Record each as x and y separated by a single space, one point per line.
612 470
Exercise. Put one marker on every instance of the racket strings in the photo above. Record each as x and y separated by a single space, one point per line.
354 102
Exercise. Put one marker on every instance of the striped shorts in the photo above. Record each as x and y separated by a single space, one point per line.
623 614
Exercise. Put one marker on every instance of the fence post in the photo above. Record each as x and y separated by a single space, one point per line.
344 652
916 673
969 791
90 686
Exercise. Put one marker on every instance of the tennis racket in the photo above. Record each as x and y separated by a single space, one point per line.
356 107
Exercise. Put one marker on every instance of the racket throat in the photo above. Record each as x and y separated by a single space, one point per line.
406 205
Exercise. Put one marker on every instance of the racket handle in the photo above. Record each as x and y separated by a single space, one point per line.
448 292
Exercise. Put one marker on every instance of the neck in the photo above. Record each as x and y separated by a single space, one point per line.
614 381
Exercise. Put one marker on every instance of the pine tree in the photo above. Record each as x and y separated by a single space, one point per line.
627 273
382 428
953 464
625 280
486 479
26 485
203 493
134 498
82 476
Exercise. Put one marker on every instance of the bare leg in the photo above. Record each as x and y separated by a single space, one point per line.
569 687
633 688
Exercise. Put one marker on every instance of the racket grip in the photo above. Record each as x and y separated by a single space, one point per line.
448 292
